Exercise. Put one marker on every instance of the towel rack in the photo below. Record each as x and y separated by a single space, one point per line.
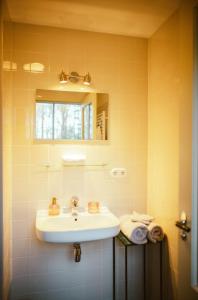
101 124
95 164
127 243
59 167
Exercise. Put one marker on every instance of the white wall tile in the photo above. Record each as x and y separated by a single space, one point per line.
20 229
37 264
19 267
20 212
20 247
19 287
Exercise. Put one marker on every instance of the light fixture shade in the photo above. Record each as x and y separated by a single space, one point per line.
74 77
87 79
63 78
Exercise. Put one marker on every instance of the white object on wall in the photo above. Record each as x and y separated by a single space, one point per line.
118 172
74 157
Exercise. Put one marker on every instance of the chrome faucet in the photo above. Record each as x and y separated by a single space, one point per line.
74 206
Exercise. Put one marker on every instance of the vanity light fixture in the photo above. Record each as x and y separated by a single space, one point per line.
74 77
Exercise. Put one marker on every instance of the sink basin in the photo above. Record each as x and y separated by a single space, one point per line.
66 228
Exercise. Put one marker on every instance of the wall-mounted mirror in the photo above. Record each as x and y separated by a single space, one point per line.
65 115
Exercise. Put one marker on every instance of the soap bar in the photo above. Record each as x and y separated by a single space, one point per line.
93 207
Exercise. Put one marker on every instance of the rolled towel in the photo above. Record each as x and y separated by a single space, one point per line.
155 232
136 232
142 218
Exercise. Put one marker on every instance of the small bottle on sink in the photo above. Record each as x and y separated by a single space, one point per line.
54 208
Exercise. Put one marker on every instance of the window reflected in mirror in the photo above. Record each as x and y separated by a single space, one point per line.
62 115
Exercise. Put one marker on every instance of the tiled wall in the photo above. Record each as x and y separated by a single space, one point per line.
118 66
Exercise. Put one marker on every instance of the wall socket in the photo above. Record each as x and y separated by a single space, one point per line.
118 172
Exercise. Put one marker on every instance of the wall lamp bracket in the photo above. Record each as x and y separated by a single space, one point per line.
74 77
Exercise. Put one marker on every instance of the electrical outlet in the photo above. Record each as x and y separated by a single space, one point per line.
118 172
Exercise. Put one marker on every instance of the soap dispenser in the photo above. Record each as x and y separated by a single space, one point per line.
54 208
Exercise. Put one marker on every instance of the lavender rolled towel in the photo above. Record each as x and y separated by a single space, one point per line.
155 233
135 231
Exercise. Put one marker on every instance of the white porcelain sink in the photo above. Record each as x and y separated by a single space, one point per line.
66 228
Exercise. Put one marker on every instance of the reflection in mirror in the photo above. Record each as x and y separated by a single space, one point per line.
65 115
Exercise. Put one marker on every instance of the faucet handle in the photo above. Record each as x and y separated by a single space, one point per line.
74 201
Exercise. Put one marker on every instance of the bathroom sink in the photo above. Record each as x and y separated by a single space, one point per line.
66 228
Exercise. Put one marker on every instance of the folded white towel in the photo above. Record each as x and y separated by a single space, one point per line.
145 219
155 233
136 232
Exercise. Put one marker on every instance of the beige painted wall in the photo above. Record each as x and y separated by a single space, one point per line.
170 136
118 66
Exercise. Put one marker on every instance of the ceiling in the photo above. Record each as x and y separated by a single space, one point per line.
126 17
